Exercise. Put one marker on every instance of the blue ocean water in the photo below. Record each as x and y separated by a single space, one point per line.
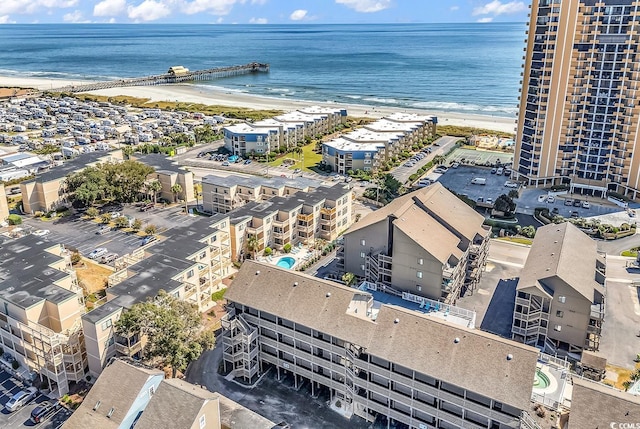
468 67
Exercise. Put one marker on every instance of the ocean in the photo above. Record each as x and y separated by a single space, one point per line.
469 67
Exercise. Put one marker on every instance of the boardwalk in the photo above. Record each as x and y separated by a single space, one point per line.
169 78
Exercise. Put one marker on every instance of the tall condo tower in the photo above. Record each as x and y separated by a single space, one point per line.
578 121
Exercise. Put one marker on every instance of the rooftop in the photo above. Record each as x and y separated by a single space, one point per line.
160 162
72 165
594 405
444 350
300 183
350 146
26 276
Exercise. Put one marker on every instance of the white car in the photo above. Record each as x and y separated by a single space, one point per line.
115 215
509 184
41 232
551 199
585 204
100 251
21 399
440 170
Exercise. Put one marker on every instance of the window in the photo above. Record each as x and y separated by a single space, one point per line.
203 422
111 341
419 274
559 313
203 255
362 242
420 261
562 299
557 328
362 267
362 254
419 288
190 273
367 161
106 324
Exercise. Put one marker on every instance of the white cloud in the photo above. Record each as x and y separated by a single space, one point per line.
298 15
148 10
366 6
110 8
215 7
496 7
454 8
26 7
4 19
75 17
258 21
486 19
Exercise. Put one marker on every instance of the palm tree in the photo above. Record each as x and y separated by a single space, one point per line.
439 159
197 190
154 187
252 245
176 189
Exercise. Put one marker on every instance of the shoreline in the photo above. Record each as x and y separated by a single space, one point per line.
223 97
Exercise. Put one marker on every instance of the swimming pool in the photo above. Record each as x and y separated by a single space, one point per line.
286 262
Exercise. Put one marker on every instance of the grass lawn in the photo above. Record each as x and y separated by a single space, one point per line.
519 240
311 159
630 253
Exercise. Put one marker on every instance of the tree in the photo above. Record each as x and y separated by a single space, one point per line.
513 194
251 245
173 329
136 225
122 222
439 159
205 134
150 229
287 248
105 218
176 189
154 187
268 251
93 212
505 204
197 190
14 219
349 279
528 231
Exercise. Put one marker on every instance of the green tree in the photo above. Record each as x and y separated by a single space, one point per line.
513 194
122 222
197 191
154 187
252 245
150 229
105 218
205 134
268 251
287 248
173 329
439 159
127 151
528 231
93 212
349 279
505 204
126 179
176 189
14 219
136 225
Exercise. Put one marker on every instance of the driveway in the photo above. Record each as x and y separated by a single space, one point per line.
402 173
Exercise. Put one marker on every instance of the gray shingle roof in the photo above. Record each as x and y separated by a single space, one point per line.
596 406
477 362
117 387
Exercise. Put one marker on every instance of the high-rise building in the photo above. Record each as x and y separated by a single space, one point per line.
578 121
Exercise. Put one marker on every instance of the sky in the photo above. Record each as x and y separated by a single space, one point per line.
261 11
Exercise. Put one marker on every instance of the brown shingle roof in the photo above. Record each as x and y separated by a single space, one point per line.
566 252
596 406
117 387
591 360
478 362
176 405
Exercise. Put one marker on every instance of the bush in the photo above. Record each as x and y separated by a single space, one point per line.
287 248
268 251
92 212
150 229
38 214
14 219
75 257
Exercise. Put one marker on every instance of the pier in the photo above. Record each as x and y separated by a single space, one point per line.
177 74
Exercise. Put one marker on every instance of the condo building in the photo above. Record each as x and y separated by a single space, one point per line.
428 243
366 148
189 263
578 119
373 359
41 306
561 291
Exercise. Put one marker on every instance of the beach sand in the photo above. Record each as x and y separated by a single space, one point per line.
223 97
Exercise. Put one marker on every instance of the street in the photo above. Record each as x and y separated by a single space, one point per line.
402 173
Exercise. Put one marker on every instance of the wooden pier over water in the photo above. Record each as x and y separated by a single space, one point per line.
174 75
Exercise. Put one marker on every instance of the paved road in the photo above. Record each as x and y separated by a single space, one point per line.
402 173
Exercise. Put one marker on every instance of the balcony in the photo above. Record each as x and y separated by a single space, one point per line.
129 350
308 218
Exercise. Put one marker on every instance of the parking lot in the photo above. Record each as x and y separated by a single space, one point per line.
81 234
20 418
459 180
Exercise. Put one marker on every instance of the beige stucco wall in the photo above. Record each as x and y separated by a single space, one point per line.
211 412
96 339
4 206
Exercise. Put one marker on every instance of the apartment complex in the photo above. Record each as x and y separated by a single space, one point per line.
578 120
368 147
169 174
41 308
303 217
47 191
375 359
283 131
560 294
189 263
129 395
223 194
427 242
596 405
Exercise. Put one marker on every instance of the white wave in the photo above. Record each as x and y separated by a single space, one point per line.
464 107
381 100
354 97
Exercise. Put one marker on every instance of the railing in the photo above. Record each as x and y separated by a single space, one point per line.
129 350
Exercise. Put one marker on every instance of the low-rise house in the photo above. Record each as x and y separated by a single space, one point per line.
560 293
373 359
428 243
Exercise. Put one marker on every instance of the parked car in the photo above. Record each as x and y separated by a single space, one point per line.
499 171
148 239
247 161
440 170
575 215
577 203
632 213
296 171
108 258
95 254
555 211
568 202
513 185
585 204
493 170
146 207
103 230
21 399
455 165
115 215
478 181
226 164
43 411
551 199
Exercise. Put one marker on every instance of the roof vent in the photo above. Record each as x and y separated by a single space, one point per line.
257 272
509 356
295 284
396 321
328 294
456 340
95 407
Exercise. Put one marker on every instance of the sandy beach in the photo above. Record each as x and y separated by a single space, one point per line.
220 96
